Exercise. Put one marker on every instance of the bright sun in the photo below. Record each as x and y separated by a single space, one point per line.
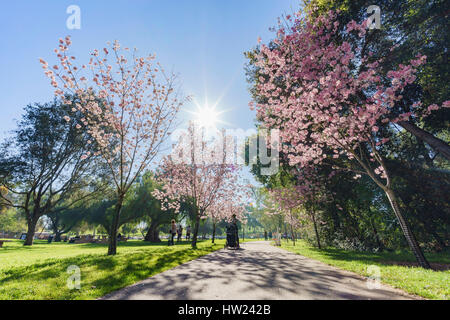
207 117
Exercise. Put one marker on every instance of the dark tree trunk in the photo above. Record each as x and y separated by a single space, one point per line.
112 248
56 231
293 235
153 233
437 144
410 238
336 221
440 242
31 231
196 227
316 230
377 237
214 233
57 237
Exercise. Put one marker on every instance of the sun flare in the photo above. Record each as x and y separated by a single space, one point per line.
207 117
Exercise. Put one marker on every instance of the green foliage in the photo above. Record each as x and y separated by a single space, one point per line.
424 194
43 164
12 221
65 219
141 204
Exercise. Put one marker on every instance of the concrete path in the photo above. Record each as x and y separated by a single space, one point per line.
257 272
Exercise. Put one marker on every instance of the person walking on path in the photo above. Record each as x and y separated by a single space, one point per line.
179 232
188 233
173 232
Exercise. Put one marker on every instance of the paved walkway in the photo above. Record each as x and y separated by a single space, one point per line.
258 272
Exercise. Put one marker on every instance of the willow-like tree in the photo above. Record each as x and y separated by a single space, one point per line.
140 104
329 101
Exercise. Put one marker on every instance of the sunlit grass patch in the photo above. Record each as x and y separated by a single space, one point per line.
40 271
429 284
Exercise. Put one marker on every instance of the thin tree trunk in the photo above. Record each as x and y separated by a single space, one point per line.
437 144
316 231
377 237
410 238
112 248
214 233
439 240
196 227
293 235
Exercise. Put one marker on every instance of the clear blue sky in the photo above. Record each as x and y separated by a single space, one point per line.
202 40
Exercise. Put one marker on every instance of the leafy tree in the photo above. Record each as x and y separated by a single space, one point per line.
64 220
43 164
142 200
3 194
12 221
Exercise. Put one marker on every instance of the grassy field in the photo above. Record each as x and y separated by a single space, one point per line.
40 271
425 283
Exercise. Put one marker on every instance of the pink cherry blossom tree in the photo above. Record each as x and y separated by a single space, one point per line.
128 106
329 101
198 171
301 201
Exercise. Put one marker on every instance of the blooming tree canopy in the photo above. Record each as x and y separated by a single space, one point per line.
128 106
197 171
325 95
301 200
329 101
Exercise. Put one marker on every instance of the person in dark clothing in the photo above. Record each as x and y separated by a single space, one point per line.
179 233
188 233
233 234
173 232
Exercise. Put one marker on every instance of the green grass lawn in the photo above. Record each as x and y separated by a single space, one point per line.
40 271
426 283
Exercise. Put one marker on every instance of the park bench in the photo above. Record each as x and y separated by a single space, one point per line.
2 242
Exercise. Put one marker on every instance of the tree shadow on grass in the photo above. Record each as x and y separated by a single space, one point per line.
99 274
439 262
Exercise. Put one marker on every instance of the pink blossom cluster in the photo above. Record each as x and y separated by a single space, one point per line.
127 104
214 187
300 200
327 97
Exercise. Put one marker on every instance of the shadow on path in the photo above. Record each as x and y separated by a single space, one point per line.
259 272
